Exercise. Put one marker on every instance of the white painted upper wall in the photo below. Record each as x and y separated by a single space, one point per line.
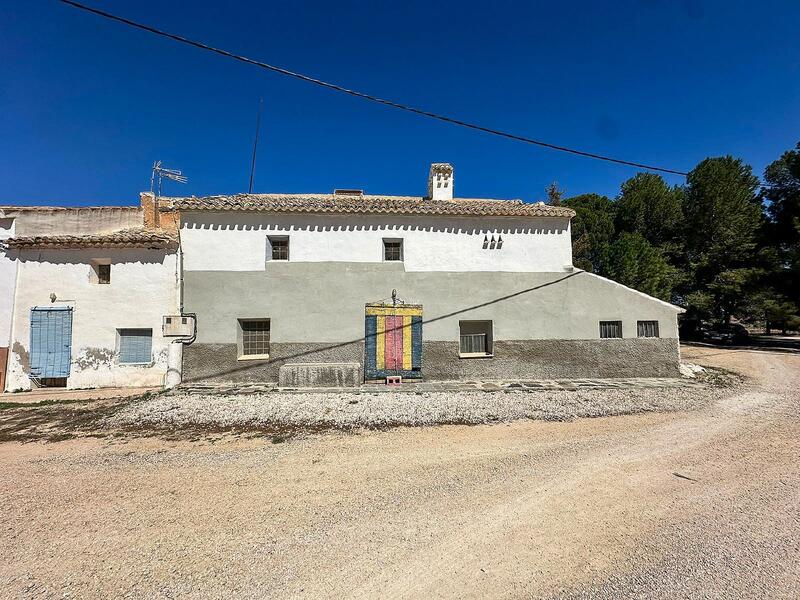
8 274
237 241
143 289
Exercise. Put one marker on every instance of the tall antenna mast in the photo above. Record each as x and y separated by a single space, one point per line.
160 173
255 145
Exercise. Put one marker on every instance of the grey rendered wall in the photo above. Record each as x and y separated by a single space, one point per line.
545 324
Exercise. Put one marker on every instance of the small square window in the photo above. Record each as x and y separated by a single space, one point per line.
278 247
610 329
135 346
475 338
647 328
392 250
101 271
254 338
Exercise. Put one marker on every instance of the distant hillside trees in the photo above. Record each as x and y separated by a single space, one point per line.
723 245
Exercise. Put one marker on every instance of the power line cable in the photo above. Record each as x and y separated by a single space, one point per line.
344 90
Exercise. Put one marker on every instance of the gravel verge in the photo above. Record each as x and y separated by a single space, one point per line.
364 410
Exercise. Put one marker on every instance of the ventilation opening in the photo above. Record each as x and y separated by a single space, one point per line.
52 382
348 192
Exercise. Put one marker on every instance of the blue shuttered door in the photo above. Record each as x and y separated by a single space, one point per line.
51 341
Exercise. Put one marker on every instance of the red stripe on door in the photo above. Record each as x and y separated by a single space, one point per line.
394 342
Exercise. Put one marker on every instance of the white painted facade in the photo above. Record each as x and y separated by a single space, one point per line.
8 275
143 288
238 241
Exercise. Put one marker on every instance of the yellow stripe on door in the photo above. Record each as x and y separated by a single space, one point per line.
380 342
407 342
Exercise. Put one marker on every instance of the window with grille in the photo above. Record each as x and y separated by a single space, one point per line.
392 250
475 338
610 329
135 346
278 247
101 271
254 337
647 328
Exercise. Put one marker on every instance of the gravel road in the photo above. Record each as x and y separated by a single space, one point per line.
699 503
385 409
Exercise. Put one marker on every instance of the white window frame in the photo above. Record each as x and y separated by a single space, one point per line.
393 241
279 238
240 339
476 324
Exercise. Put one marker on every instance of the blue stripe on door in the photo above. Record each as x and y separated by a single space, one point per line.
370 354
416 343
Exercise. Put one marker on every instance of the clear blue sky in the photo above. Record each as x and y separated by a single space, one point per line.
86 105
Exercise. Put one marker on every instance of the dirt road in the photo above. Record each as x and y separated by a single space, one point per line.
688 504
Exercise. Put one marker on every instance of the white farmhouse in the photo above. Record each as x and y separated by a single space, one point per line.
433 287
87 298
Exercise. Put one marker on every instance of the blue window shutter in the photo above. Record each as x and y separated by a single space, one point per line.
135 346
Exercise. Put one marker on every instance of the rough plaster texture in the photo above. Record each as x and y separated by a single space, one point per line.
218 362
324 302
555 359
143 288
237 241
8 274
320 375
44 220
516 359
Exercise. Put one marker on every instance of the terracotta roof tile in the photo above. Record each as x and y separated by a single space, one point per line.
125 238
365 204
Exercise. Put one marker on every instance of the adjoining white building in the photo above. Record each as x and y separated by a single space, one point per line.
486 289
91 288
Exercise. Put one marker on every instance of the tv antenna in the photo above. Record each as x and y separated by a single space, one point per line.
161 173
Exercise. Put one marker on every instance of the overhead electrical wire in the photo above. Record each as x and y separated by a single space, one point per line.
344 90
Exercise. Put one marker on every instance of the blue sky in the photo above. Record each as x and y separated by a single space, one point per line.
87 105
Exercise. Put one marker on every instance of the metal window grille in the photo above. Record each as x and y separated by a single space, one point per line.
280 248
135 346
255 337
647 328
610 329
103 273
473 343
392 250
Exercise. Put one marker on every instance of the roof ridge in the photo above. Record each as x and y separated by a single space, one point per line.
366 204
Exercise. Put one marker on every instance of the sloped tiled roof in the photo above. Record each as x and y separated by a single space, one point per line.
125 238
365 204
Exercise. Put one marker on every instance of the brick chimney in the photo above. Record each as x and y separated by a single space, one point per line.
155 217
149 210
440 181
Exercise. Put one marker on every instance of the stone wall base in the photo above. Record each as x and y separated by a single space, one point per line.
521 359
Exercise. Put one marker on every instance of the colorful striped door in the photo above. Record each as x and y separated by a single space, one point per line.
393 341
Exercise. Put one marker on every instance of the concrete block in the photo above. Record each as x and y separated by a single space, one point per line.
320 375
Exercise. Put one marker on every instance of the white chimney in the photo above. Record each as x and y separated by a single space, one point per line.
440 181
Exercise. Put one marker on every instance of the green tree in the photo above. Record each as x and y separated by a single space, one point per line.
633 261
723 216
782 194
648 206
782 233
592 230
